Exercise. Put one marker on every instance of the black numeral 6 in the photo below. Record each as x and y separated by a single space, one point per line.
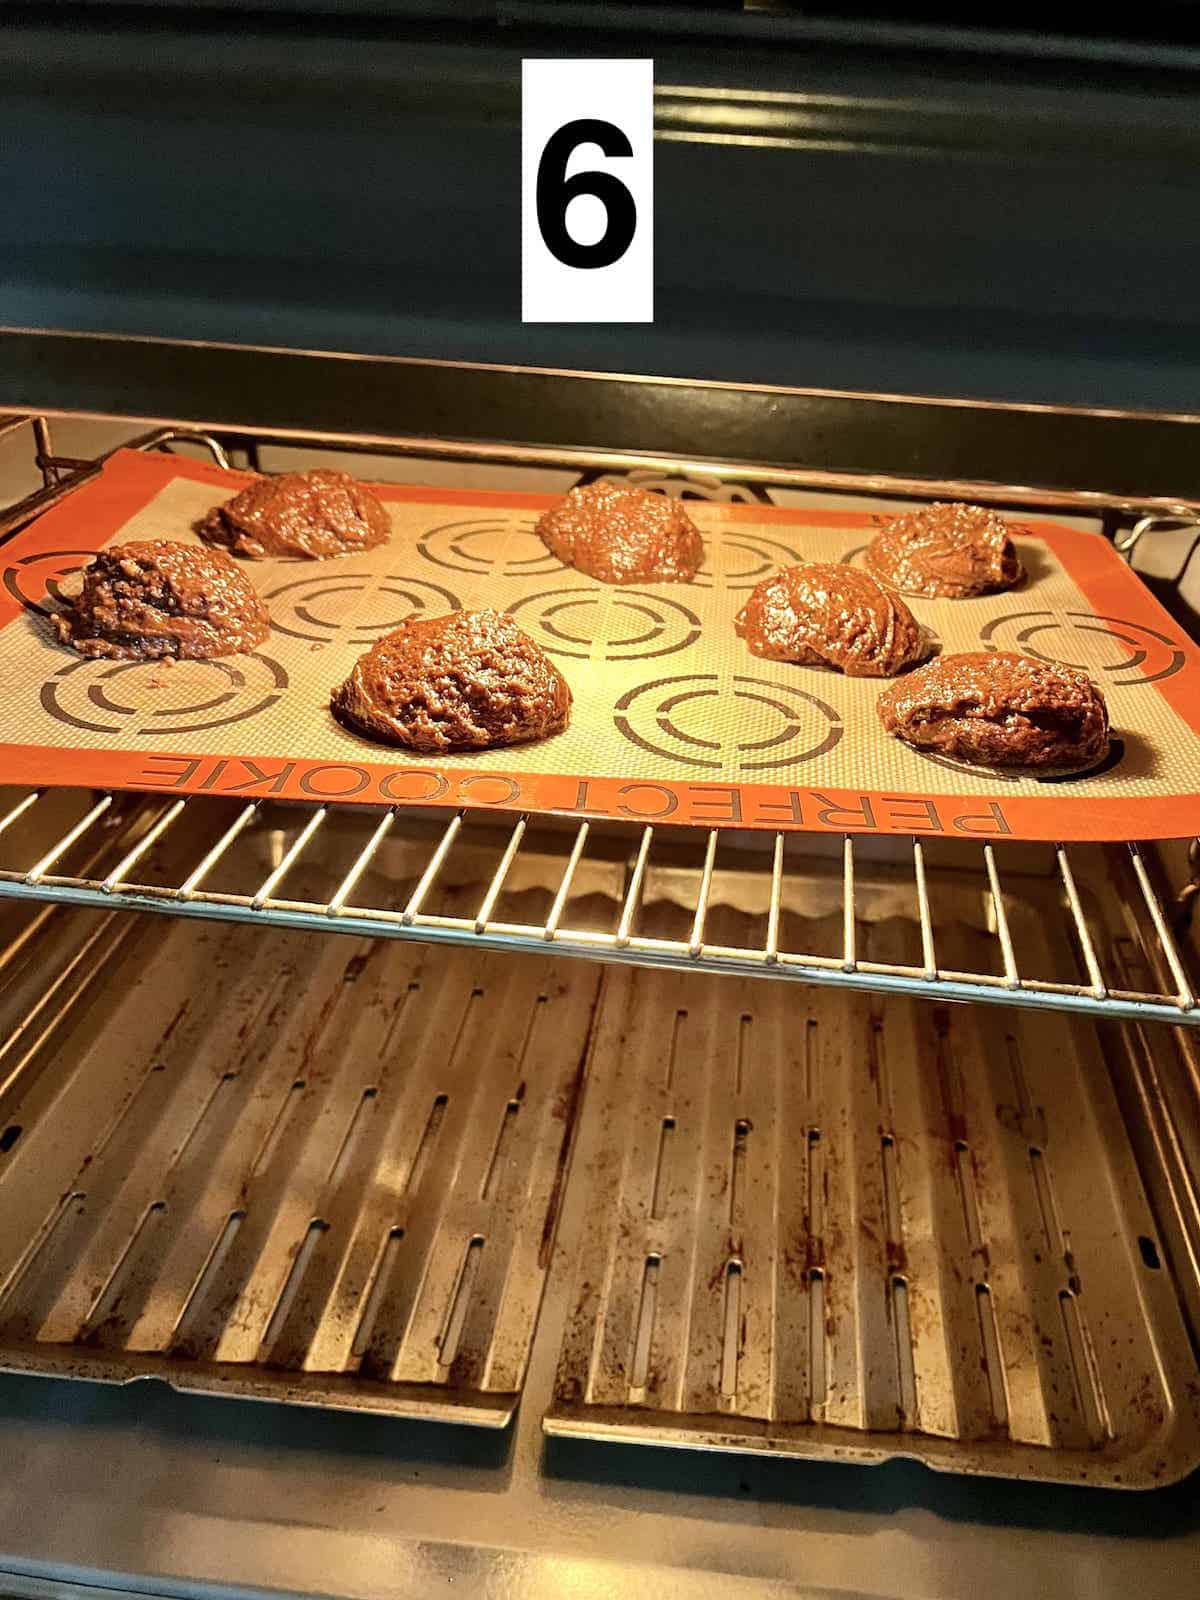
555 191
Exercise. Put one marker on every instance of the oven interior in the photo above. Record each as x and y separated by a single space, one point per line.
581 1201
322 1132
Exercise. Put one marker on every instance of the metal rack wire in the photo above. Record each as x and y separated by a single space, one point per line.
265 901
1170 994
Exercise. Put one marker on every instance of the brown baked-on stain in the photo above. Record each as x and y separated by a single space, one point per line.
622 534
468 681
999 709
945 551
154 598
314 515
825 614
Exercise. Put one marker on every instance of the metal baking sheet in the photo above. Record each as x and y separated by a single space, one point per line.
674 720
279 1167
852 1232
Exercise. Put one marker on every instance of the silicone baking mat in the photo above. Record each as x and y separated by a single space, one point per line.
674 720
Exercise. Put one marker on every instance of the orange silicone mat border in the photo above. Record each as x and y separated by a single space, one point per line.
129 480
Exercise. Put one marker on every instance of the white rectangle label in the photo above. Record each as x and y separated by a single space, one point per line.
587 191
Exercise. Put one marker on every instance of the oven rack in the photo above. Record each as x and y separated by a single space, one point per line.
1146 914
149 824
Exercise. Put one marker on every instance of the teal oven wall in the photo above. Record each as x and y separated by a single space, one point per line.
912 221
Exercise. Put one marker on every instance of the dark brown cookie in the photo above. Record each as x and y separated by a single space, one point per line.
154 598
830 615
621 534
997 709
314 514
467 681
945 551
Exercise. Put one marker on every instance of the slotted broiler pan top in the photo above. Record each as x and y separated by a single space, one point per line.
268 1164
853 1232
283 1167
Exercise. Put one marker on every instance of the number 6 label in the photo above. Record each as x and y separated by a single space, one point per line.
587 191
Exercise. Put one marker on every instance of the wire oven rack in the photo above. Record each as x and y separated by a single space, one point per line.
1129 961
